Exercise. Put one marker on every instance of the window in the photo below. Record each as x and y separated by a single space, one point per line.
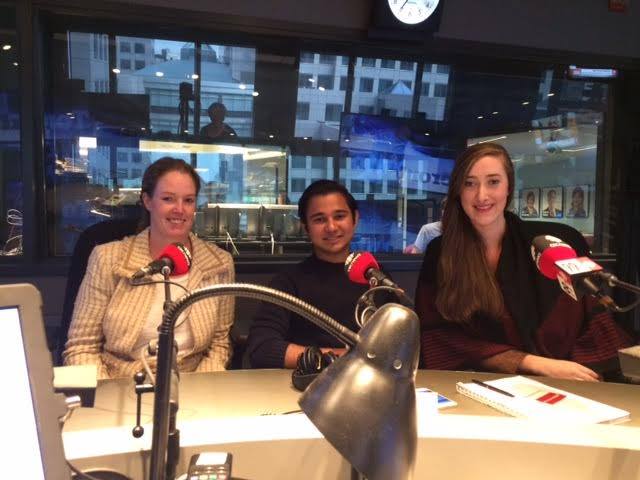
327 59
11 178
332 112
357 163
302 111
298 161
366 85
375 163
306 57
305 80
384 84
318 163
325 81
390 93
357 186
139 47
298 185
145 108
375 186
440 90
321 92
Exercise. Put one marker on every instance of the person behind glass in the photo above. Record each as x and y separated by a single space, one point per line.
577 204
218 129
114 321
551 210
277 337
481 301
427 232
529 209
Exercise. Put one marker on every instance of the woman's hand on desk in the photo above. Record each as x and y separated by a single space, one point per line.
553 368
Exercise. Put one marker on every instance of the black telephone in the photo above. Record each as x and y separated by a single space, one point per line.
210 466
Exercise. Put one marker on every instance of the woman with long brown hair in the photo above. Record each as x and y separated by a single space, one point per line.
481 301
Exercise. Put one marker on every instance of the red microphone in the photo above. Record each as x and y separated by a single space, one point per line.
175 256
362 267
556 259
546 251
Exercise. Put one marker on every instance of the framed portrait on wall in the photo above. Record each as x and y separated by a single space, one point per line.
530 203
552 201
577 201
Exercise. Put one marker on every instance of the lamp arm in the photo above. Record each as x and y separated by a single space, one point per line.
161 403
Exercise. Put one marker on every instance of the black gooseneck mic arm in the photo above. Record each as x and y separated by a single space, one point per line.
614 281
166 354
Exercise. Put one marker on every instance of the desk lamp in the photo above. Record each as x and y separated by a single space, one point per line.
364 403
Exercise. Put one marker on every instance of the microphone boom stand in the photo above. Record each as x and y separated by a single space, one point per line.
163 417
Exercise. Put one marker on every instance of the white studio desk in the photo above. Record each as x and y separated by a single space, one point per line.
239 412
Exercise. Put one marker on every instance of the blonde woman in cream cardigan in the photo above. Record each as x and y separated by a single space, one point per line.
114 321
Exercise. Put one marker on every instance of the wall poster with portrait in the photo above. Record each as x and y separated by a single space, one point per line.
552 202
577 201
530 203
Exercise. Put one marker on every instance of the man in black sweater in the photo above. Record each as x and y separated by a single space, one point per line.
277 337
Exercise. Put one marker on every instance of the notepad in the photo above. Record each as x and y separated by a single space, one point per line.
533 399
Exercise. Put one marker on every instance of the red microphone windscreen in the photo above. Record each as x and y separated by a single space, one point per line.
357 264
546 251
180 256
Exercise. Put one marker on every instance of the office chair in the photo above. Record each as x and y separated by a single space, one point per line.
97 234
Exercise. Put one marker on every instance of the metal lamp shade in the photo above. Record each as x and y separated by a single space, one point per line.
364 403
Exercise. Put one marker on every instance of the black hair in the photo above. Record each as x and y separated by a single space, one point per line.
324 187
152 175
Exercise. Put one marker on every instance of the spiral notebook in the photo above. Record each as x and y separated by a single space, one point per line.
532 399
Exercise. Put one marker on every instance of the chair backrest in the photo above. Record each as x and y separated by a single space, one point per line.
564 232
102 232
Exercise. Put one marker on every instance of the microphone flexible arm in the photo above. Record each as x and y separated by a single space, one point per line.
614 281
161 403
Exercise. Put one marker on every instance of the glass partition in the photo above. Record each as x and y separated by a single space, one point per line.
11 175
260 126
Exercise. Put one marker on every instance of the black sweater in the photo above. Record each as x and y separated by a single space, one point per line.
322 284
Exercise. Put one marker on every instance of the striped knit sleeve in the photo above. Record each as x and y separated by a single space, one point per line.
218 355
86 337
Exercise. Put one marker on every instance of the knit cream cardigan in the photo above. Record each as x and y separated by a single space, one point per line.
109 312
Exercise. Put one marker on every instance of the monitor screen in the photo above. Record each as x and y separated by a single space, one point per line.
25 444
31 408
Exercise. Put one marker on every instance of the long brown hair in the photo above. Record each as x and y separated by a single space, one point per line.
466 284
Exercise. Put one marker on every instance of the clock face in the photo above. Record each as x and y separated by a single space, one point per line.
413 12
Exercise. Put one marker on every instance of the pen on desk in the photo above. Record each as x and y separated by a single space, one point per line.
491 387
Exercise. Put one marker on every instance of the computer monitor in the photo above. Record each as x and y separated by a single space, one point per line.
282 221
29 405
239 220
